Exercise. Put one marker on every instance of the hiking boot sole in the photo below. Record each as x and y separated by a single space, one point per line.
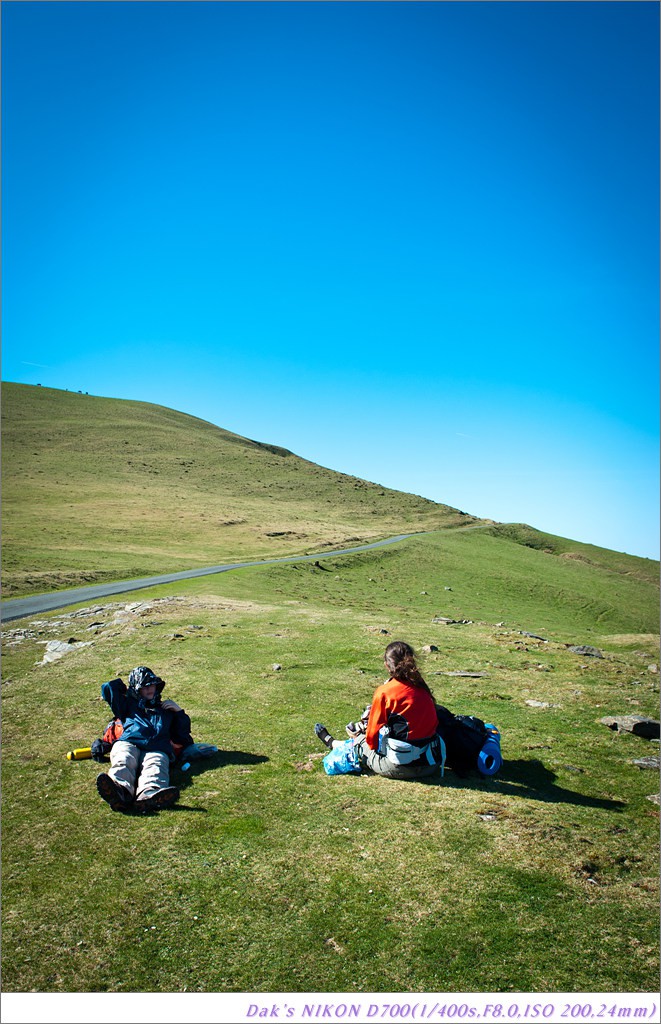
159 801
112 793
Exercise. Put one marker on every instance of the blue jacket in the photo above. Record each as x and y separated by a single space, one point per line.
148 728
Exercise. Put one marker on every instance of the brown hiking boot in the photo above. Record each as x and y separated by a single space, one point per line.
117 796
159 800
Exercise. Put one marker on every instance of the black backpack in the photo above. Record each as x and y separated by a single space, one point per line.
464 737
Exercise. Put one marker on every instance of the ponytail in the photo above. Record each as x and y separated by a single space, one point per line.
400 661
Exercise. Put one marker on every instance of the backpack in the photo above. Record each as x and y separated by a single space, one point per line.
113 732
469 743
101 748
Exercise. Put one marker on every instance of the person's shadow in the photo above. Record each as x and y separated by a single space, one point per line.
530 779
221 759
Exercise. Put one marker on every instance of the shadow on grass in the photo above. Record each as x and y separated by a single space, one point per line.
135 811
530 779
220 760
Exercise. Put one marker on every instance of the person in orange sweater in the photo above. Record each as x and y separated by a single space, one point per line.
400 740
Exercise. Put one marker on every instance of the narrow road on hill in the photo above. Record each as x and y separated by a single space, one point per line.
19 607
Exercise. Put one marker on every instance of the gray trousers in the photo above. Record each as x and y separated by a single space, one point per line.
380 765
141 773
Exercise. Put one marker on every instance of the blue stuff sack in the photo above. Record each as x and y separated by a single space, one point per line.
490 759
342 760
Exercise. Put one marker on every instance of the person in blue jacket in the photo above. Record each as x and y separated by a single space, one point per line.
139 772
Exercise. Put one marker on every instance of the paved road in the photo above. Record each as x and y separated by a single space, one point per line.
19 607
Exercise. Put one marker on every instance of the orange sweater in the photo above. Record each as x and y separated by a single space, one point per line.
409 709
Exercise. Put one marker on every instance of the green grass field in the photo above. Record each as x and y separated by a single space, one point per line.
271 876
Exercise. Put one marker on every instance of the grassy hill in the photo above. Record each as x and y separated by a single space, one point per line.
571 550
488 578
101 489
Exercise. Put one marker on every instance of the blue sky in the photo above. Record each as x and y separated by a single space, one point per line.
415 242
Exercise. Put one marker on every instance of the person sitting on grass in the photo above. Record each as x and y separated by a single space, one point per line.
400 739
139 772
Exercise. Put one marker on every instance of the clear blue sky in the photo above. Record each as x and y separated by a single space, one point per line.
415 242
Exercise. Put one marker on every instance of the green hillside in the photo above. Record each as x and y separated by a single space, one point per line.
99 489
572 550
488 578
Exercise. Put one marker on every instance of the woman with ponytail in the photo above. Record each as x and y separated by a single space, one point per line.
400 740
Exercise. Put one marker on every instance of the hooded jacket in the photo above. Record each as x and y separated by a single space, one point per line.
149 726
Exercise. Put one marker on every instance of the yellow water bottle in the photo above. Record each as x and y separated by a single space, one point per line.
79 754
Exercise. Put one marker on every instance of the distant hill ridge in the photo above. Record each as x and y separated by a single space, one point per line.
646 569
101 488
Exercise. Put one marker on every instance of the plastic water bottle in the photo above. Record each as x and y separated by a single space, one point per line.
490 759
